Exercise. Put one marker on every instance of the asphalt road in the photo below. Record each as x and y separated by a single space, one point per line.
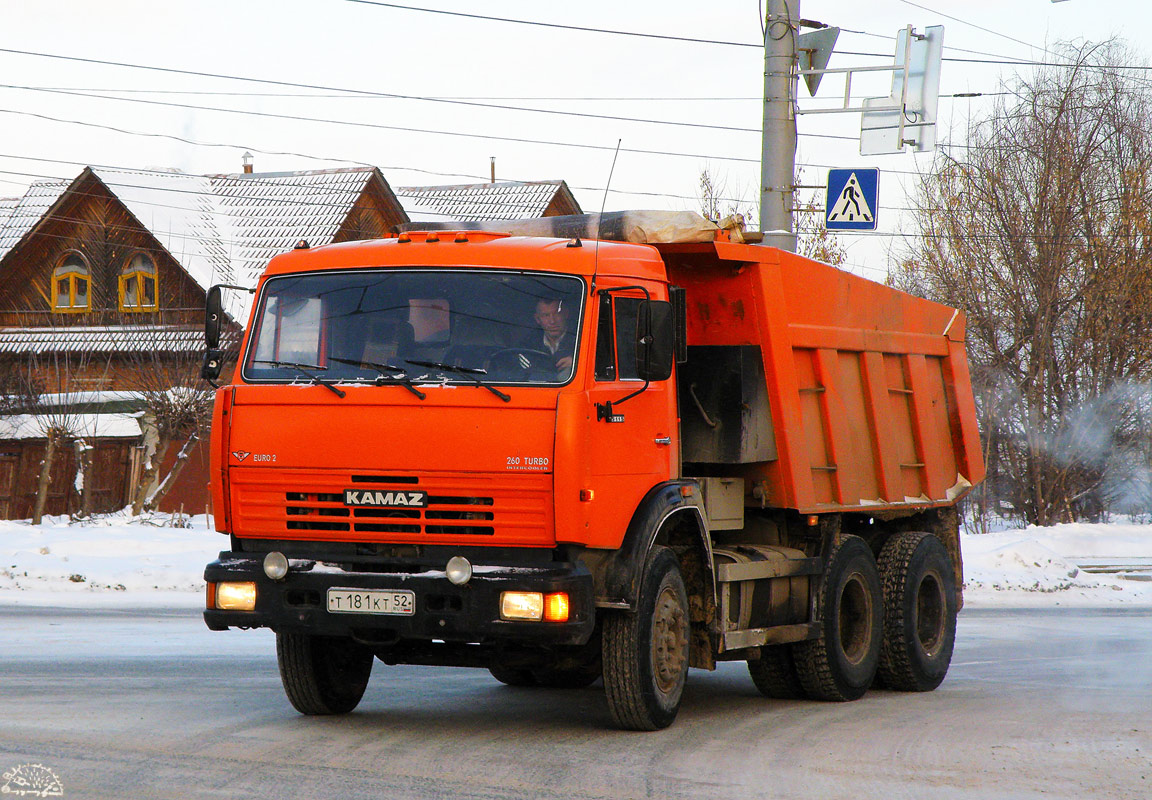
152 705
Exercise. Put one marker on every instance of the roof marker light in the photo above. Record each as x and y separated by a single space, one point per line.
461 238
403 239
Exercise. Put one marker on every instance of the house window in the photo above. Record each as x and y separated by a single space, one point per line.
138 284
71 284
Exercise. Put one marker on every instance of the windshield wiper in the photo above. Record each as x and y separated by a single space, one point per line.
302 369
472 371
382 379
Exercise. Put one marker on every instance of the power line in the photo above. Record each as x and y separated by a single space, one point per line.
363 92
403 129
554 98
582 29
946 47
193 142
974 25
533 98
646 35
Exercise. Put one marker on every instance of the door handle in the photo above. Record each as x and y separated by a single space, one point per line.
665 440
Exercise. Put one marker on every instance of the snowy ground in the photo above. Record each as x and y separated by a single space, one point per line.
116 561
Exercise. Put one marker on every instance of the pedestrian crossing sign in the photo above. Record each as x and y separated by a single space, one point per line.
851 203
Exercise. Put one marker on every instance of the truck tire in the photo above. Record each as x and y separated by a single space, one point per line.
646 653
919 612
841 664
323 674
774 673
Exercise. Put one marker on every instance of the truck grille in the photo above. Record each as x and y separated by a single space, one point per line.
287 504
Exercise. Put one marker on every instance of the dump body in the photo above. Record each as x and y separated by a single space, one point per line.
867 388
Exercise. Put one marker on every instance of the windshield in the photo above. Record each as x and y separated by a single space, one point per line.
418 325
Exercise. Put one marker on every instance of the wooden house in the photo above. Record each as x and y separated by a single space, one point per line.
102 286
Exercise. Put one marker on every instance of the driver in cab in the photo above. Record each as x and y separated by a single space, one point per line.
555 337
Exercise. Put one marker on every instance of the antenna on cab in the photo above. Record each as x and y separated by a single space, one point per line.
600 217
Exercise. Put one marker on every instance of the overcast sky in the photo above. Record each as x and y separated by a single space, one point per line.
430 58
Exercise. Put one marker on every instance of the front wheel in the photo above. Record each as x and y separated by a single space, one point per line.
323 674
646 654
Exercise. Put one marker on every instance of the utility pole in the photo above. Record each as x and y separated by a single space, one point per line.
778 149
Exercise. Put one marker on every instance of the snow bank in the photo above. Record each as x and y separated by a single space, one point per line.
119 561
1041 566
112 561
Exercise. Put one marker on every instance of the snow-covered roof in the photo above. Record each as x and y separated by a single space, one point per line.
270 212
103 339
500 200
220 228
88 426
7 206
27 211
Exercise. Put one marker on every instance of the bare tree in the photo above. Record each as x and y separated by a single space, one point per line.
57 411
715 200
813 239
177 410
1041 229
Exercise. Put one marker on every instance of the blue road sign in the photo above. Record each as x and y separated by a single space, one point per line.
852 200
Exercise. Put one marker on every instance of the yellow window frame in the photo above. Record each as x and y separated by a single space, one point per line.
139 276
72 276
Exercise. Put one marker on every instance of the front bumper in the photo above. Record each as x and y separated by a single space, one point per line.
443 611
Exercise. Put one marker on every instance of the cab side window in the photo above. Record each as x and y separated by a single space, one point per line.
616 338
605 341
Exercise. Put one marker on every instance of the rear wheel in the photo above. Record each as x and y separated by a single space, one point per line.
323 674
774 673
646 653
919 612
841 664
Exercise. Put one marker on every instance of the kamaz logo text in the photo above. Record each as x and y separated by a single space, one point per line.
368 497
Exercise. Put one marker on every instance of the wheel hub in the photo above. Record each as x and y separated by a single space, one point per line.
669 640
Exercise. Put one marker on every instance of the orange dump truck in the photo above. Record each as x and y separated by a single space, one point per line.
562 459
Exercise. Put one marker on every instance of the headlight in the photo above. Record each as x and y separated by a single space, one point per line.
522 605
232 596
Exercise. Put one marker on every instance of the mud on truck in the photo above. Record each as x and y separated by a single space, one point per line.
562 458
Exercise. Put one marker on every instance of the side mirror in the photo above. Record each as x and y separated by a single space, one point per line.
213 364
213 319
655 340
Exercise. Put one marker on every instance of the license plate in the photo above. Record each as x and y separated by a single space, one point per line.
354 601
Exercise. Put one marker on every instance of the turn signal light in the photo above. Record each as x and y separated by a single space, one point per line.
236 596
556 607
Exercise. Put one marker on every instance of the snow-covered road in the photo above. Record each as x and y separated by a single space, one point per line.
151 704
